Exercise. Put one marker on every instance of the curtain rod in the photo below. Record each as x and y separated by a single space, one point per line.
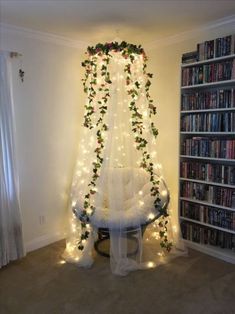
13 54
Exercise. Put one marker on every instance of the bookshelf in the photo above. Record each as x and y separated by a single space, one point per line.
207 148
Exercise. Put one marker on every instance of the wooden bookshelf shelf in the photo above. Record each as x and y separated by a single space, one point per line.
211 84
207 110
208 133
207 225
208 61
209 158
207 124
206 203
208 182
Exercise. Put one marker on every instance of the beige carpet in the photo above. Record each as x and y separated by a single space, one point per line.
38 284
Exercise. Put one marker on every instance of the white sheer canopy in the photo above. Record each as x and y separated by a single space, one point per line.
121 198
11 241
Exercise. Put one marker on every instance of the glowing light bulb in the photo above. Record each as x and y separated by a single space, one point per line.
151 216
73 203
151 264
62 262
140 193
164 193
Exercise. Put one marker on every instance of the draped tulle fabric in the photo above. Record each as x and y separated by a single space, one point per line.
123 201
11 241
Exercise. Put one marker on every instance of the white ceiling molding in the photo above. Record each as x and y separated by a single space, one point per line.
65 41
184 36
47 37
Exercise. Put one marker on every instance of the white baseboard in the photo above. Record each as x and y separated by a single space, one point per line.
42 241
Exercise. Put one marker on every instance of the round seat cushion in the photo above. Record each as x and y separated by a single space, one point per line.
124 199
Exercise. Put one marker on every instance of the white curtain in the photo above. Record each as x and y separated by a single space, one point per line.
11 240
123 198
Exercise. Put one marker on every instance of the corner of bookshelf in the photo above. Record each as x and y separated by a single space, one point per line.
224 254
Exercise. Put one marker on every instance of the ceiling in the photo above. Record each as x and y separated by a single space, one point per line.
103 20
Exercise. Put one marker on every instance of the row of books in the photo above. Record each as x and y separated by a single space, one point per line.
217 173
208 147
210 49
210 215
212 99
203 235
208 122
216 48
208 73
212 194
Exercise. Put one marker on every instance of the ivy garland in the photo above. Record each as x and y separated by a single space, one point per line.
91 88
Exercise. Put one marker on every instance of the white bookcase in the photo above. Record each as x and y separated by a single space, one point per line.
207 153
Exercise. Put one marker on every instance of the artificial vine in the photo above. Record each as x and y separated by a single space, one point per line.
141 144
92 89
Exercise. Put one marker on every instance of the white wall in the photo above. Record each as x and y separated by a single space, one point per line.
48 107
164 62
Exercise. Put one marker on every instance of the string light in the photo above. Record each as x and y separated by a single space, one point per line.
151 264
164 193
151 216
145 114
